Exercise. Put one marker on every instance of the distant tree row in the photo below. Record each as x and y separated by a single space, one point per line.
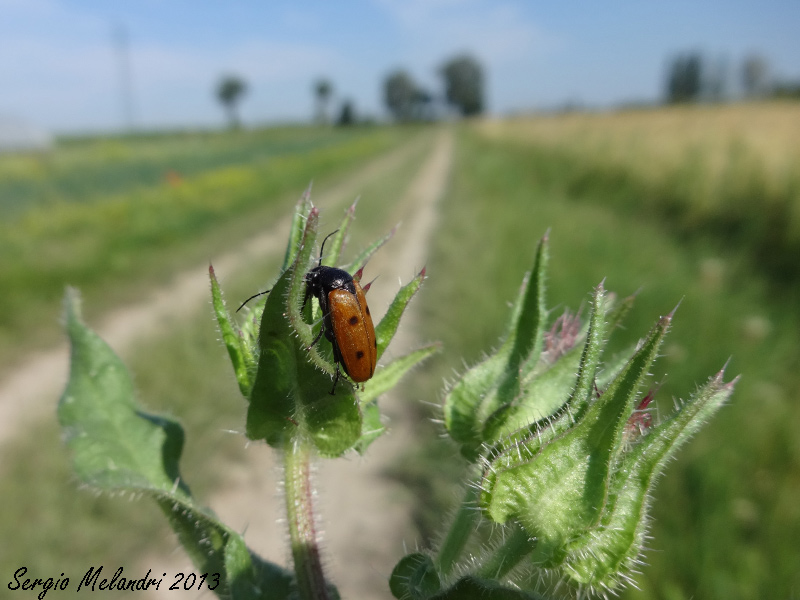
693 77
463 91
323 91
230 90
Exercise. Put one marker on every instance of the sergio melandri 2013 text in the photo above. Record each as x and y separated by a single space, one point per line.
93 581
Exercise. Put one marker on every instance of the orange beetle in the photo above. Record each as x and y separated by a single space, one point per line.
346 322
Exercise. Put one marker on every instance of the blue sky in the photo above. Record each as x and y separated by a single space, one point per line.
58 67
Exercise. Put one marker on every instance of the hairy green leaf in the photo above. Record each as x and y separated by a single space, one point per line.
363 257
270 415
386 378
372 427
387 327
117 446
560 489
239 350
297 228
487 387
604 556
414 578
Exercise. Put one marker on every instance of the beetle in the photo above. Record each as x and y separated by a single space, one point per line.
346 320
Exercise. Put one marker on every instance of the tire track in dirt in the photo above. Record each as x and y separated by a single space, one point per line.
365 516
29 393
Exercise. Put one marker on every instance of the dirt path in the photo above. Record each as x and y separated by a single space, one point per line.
367 526
29 393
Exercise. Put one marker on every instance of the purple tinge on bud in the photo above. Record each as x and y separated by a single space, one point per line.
562 337
641 420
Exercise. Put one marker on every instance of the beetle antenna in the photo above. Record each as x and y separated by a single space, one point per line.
321 248
241 306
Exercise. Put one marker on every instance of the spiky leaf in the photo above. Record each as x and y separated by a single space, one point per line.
387 327
387 377
116 446
561 489
239 350
496 382
603 556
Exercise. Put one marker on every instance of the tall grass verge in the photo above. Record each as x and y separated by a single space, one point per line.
724 522
731 173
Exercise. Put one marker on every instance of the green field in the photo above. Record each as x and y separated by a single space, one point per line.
108 215
619 207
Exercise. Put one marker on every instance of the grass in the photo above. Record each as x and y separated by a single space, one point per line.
730 172
725 522
110 244
183 372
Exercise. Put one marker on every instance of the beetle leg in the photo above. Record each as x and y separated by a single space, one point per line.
335 381
316 339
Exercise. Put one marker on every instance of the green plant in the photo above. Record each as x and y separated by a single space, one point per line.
562 465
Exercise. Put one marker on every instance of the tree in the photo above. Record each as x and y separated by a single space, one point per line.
424 107
755 76
463 82
400 94
685 78
347 114
715 79
323 89
230 90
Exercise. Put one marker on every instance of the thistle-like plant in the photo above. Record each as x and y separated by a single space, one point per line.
286 379
564 455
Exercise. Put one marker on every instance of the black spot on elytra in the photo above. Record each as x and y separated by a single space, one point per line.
353 320
360 354
375 343
368 311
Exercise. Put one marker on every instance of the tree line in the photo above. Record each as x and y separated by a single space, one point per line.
690 77
694 77
462 93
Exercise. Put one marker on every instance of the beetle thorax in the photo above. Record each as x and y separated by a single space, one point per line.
324 279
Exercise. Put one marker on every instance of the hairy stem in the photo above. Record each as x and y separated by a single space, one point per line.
302 527
516 546
460 530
